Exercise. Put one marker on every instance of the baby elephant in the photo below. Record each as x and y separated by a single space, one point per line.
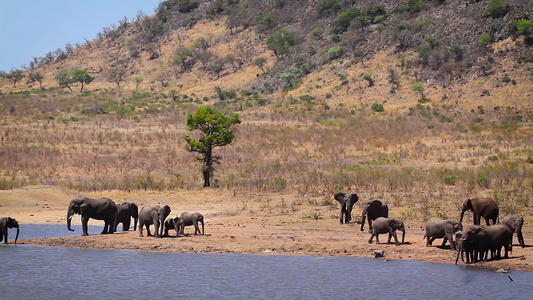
192 219
437 229
387 225
173 223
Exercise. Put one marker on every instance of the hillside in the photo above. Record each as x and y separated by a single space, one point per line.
420 103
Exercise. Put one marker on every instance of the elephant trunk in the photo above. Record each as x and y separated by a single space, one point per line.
70 213
403 236
462 215
17 237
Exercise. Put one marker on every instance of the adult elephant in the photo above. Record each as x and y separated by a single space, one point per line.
173 223
192 219
347 200
5 223
387 225
442 229
372 210
482 239
515 222
482 207
100 209
125 212
153 215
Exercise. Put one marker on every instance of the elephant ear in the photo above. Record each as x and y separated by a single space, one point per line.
393 223
448 228
83 208
354 197
340 197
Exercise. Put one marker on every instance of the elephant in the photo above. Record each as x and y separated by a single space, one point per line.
192 219
387 225
463 247
155 215
99 209
482 207
480 239
125 212
173 223
437 228
5 223
515 222
372 210
347 200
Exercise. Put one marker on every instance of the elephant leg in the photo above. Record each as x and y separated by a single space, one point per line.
430 240
369 223
84 221
196 229
393 234
477 219
106 226
126 225
444 240
148 230
342 212
141 228
372 237
157 229
347 214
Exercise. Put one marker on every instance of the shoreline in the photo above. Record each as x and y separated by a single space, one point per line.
236 244
245 224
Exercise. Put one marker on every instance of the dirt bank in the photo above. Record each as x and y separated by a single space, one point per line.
234 224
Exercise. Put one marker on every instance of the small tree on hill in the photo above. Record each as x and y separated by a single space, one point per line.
37 77
137 80
217 130
280 42
15 76
82 76
116 75
64 79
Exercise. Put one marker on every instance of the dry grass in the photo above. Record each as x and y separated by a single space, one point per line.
402 155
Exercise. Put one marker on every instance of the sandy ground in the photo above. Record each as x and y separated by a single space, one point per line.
258 224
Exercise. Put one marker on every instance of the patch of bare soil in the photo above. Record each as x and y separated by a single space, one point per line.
251 224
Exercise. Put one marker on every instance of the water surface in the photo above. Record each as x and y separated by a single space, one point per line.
39 272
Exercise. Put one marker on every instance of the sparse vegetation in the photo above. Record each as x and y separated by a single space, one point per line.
308 99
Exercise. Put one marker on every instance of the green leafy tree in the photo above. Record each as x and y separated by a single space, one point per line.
15 76
525 28
83 77
497 8
280 42
216 127
64 79
37 77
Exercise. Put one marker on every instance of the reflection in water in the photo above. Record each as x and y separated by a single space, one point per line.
36 272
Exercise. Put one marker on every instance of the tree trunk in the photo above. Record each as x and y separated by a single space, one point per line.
206 178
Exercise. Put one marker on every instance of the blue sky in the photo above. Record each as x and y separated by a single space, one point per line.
32 28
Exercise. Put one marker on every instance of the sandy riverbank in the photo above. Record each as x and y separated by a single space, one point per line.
239 224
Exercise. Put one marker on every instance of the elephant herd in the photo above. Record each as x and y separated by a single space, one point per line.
474 242
112 215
